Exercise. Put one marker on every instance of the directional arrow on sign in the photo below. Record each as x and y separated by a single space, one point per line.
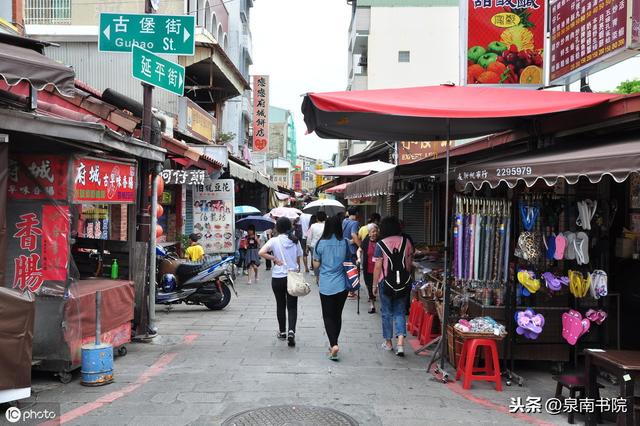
107 32
186 35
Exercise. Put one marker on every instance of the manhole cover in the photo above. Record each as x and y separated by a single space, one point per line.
290 415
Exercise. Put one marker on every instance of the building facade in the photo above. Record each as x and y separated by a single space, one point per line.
282 153
212 78
403 43
237 115
306 166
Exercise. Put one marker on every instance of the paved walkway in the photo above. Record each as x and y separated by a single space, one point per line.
206 366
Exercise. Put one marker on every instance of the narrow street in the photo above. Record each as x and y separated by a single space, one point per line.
207 366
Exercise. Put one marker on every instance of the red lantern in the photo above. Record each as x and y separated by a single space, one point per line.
159 211
159 231
160 187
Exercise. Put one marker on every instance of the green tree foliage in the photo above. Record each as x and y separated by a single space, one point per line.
629 86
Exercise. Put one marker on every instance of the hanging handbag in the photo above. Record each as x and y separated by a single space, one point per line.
296 286
352 273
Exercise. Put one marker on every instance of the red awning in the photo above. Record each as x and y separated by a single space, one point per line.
338 189
427 113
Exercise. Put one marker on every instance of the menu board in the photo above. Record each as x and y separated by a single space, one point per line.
213 215
585 33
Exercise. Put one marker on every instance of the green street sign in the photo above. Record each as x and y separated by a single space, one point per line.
157 71
168 34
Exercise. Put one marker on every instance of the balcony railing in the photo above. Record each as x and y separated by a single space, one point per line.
47 12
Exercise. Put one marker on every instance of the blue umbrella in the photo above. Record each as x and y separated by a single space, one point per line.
244 210
261 223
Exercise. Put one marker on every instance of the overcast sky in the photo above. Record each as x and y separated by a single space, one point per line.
302 45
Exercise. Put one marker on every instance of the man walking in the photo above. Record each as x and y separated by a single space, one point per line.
350 228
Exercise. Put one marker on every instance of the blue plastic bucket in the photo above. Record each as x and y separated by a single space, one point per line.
97 364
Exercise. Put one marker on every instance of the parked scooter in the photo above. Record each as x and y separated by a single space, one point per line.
207 283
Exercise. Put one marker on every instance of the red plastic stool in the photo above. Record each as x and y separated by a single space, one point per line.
466 364
427 334
415 317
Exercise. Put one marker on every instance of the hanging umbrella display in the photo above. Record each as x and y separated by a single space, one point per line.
330 207
245 210
260 223
288 212
444 113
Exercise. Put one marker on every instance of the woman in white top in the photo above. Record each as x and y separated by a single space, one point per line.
314 235
286 254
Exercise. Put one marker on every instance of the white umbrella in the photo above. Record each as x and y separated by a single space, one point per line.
288 212
330 207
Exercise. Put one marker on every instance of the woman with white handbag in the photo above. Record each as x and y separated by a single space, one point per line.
286 255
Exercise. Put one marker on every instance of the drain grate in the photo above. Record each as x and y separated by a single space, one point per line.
290 415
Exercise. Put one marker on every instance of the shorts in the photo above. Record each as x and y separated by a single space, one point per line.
303 244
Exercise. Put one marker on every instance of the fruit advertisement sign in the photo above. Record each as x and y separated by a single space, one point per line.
504 42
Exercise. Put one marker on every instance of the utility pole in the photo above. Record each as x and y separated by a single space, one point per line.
150 220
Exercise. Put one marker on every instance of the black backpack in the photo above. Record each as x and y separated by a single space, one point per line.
398 278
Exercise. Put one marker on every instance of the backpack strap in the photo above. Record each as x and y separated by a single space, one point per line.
403 248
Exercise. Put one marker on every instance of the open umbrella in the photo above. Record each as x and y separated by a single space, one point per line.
245 210
432 113
261 223
288 212
330 207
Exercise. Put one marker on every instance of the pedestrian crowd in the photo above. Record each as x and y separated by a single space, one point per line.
330 247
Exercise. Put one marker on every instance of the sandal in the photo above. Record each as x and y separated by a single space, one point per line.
333 353
372 310
387 347
400 350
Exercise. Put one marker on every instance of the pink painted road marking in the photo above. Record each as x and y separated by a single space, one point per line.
144 378
457 389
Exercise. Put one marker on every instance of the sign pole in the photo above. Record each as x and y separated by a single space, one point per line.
147 117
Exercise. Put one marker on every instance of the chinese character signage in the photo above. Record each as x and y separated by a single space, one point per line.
213 216
260 113
297 181
170 34
589 35
37 177
195 121
156 71
103 181
410 152
504 41
183 177
38 245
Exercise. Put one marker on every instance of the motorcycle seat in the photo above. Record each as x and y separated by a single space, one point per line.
189 269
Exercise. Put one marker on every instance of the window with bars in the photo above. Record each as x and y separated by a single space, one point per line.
404 56
48 12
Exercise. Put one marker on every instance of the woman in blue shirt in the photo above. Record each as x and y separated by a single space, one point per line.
329 256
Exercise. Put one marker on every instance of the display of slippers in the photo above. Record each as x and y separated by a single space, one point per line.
550 244
561 246
555 283
529 323
581 246
596 316
570 251
574 326
529 280
599 286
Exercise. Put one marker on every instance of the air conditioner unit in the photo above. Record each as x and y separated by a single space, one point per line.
363 61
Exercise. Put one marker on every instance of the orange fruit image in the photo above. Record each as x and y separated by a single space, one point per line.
531 75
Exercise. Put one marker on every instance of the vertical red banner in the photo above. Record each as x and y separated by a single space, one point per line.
56 224
260 113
